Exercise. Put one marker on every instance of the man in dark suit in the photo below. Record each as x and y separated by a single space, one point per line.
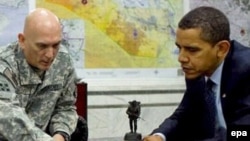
207 53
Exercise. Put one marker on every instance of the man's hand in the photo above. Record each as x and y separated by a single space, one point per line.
58 137
152 138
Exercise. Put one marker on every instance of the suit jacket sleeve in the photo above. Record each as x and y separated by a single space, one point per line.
187 118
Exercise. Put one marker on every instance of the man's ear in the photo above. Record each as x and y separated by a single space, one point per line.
21 40
223 48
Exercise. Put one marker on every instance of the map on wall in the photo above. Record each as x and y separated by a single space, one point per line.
119 37
238 13
122 38
12 14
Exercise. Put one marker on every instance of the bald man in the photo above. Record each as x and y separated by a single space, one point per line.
37 83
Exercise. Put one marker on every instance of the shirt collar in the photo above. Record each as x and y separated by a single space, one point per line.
216 76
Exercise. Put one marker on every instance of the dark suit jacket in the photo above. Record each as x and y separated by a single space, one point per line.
188 121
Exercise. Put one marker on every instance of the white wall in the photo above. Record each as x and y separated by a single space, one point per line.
108 101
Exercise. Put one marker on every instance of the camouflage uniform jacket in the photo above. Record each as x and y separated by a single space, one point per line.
29 104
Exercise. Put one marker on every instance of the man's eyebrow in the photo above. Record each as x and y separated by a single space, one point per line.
187 46
41 43
57 43
192 47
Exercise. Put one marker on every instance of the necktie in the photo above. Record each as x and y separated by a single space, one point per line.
211 107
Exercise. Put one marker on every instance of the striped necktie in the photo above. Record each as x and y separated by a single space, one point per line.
211 107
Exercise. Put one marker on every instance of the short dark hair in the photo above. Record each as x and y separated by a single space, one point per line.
213 23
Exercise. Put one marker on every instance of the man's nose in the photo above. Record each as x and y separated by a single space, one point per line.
49 52
182 56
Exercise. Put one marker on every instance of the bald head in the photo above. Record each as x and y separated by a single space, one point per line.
40 19
41 38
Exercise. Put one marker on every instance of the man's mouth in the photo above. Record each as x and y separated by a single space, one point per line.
46 63
186 69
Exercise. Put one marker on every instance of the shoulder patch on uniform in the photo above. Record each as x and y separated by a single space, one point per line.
2 68
9 75
7 91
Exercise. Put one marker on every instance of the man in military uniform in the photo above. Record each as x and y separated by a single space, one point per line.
37 100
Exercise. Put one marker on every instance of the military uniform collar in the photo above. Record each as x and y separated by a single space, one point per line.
27 74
